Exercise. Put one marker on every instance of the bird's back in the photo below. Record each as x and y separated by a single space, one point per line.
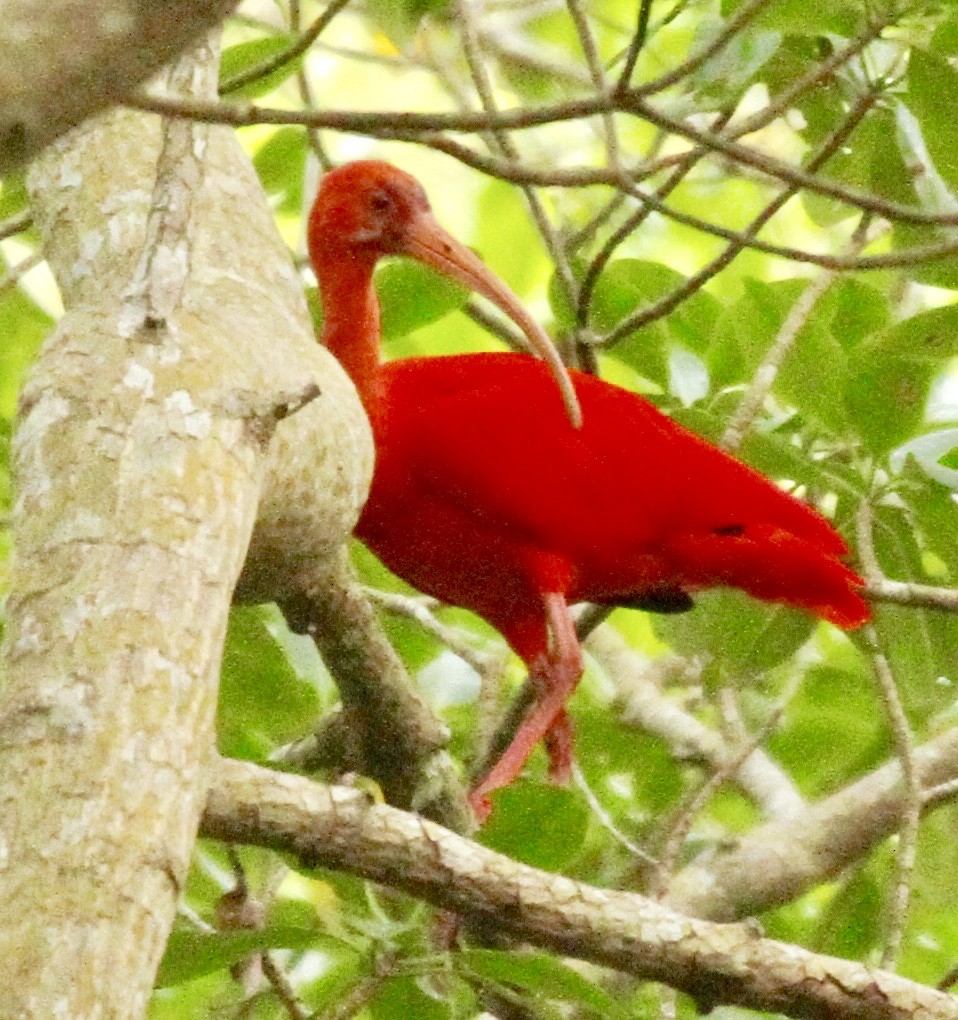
632 500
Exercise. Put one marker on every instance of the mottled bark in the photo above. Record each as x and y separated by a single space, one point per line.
142 447
715 963
385 728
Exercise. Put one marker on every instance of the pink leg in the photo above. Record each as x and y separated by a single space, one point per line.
557 673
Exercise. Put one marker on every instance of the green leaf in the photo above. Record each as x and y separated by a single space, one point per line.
246 55
412 295
858 310
745 330
191 954
930 77
931 452
888 389
813 373
833 730
281 164
886 400
264 701
414 644
733 69
409 997
852 923
921 645
746 636
812 376
812 17
23 326
950 459
507 239
933 509
931 953
606 746
541 825
13 195
630 284
399 19
542 975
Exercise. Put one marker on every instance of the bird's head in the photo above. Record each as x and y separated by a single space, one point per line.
368 209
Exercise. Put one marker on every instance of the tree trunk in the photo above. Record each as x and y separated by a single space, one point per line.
141 451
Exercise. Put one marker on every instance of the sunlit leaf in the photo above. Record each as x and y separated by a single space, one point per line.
542 975
810 16
263 700
412 295
540 825
280 163
746 636
888 388
246 55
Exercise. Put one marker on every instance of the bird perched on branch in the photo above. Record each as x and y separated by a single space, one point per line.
491 493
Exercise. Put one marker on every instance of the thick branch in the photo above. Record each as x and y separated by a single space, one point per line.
62 62
779 861
394 735
644 704
714 963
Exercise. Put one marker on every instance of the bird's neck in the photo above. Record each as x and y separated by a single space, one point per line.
351 323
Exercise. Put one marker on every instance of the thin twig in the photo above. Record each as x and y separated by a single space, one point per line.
605 819
16 223
633 223
681 823
905 748
659 309
410 126
419 608
910 593
282 988
730 29
306 94
635 45
815 77
500 139
765 375
590 50
13 274
935 795
298 47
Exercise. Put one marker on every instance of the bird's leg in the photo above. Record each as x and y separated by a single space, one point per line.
559 743
555 673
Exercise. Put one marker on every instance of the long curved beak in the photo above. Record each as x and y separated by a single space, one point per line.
426 241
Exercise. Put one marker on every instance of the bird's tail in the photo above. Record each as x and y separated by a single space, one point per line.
775 565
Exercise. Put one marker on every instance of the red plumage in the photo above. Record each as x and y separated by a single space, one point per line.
487 496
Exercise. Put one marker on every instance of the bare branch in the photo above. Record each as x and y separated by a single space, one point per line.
294 50
713 963
782 859
904 746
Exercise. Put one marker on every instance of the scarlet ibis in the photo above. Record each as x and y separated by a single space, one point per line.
486 495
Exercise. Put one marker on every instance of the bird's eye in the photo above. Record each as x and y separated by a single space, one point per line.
380 202
730 529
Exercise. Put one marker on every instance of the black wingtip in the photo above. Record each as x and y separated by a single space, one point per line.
661 600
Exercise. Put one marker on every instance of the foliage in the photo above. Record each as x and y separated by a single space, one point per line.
863 408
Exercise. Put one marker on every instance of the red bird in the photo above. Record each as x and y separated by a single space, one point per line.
486 495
